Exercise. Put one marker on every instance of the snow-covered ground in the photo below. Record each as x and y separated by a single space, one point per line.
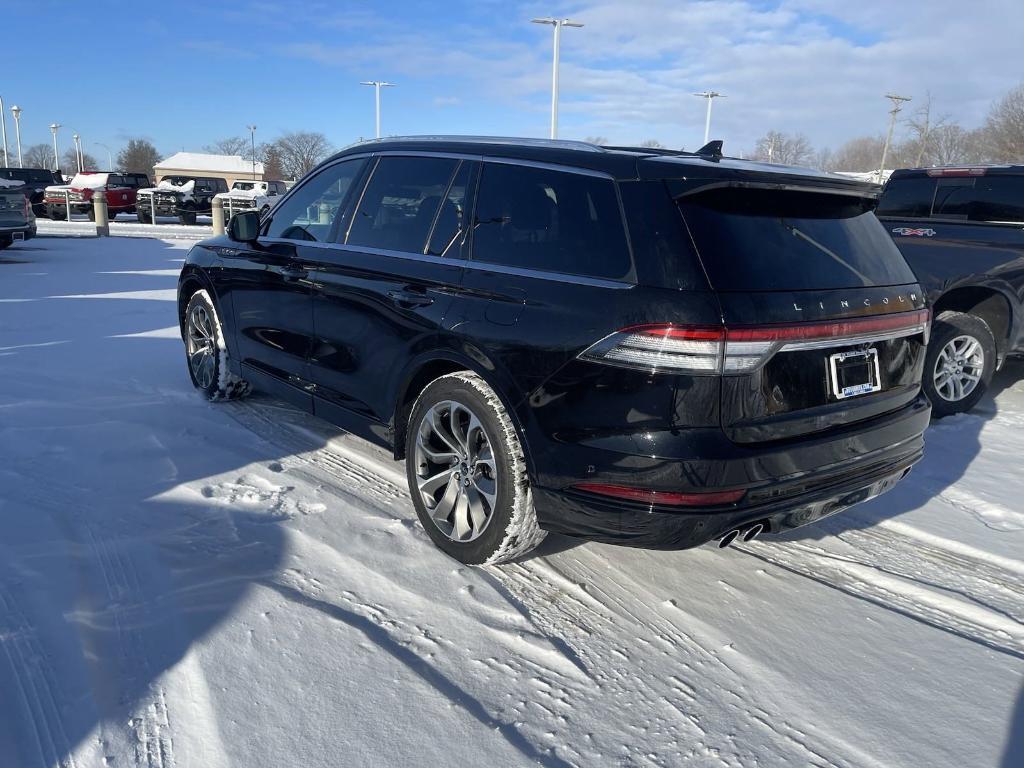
193 584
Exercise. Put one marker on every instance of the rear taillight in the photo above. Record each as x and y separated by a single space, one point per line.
667 498
742 349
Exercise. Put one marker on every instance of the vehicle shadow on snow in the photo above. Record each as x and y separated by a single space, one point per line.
1013 754
951 445
111 568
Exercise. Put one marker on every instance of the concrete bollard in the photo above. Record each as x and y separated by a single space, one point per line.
324 214
99 208
218 216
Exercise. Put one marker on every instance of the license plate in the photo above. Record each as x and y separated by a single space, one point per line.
854 372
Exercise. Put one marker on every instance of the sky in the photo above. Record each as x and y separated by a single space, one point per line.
184 74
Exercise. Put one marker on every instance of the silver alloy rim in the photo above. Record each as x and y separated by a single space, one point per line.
200 346
456 474
958 368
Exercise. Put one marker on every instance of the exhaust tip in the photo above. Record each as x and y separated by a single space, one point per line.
753 532
729 538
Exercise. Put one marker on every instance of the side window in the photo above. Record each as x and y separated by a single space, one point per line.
310 212
222 185
557 221
998 198
909 197
451 219
115 180
400 203
954 198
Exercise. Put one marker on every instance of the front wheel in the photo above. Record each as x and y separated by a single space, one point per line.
960 362
206 352
187 217
467 473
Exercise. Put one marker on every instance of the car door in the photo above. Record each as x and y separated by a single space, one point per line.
269 283
381 294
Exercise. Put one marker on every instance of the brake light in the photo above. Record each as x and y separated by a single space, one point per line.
667 498
28 208
956 171
741 349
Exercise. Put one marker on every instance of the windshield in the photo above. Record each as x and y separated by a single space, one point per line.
243 185
177 181
762 240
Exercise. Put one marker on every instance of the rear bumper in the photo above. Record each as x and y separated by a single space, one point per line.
789 484
20 232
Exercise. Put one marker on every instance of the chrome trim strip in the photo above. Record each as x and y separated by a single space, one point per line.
842 341
559 277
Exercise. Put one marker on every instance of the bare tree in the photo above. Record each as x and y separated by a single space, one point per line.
139 156
69 163
923 126
301 151
599 140
652 144
953 145
824 159
270 156
233 145
38 156
1004 128
785 149
860 154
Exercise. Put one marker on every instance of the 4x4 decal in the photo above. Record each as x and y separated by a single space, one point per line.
914 231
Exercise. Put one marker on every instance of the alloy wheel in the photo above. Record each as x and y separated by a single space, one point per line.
958 368
456 473
200 347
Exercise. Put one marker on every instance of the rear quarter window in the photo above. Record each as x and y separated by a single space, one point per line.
550 220
982 198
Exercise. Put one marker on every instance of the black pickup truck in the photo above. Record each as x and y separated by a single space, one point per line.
36 180
962 232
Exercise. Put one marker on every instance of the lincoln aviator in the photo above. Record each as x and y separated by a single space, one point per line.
627 345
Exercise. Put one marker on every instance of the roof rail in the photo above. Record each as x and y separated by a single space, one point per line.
522 141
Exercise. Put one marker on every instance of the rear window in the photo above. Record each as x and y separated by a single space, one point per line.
544 219
763 240
27 174
908 198
982 198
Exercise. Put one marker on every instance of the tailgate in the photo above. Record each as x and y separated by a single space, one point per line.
12 209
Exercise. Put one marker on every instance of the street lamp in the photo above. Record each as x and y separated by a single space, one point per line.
252 140
54 127
78 151
897 105
3 124
557 24
16 111
377 85
710 96
110 158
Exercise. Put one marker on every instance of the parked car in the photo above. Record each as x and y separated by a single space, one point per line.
120 189
17 221
628 345
183 196
962 232
36 181
251 195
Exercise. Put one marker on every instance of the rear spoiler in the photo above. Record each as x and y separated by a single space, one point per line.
689 187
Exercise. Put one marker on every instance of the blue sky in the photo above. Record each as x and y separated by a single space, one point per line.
185 73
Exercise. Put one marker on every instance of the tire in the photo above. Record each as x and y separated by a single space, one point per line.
91 213
111 215
491 519
959 364
142 217
5 242
206 354
55 215
187 217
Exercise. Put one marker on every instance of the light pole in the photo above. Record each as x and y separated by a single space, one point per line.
710 96
557 24
110 158
54 127
3 124
16 111
378 84
78 150
252 140
897 105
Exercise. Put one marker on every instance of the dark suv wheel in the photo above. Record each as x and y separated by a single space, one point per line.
960 362
206 352
467 474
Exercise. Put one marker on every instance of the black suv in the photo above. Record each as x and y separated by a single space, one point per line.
182 196
962 232
36 180
627 345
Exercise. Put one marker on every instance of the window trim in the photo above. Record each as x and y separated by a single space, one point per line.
333 232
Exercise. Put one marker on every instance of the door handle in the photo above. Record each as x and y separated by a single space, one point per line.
408 298
294 272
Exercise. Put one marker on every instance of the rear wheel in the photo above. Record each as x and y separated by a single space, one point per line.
91 213
142 216
5 242
467 474
206 352
960 362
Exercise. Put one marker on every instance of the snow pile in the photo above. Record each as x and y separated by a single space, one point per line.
185 188
199 161
10 184
89 181
240 584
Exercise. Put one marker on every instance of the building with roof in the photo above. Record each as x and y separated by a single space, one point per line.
227 167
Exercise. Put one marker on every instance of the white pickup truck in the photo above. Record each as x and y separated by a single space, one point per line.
251 195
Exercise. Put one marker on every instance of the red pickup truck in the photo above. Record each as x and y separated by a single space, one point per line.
120 188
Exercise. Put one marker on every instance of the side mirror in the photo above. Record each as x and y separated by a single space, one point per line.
244 227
